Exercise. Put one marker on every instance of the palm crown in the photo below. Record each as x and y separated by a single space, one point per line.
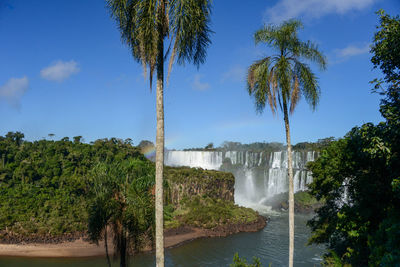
283 78
144 23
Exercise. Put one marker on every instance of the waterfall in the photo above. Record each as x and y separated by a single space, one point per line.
201 159
258 175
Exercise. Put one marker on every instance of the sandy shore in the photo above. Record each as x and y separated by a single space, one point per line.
80 248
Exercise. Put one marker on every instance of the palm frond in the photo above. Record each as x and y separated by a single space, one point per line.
266 35
189 23
295 97
259 78
310 51
308 83
173 55
144 24
283 71
279 37
147 32
138 22
275 88
287 77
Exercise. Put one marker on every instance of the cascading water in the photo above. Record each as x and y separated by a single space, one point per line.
258 175
201 159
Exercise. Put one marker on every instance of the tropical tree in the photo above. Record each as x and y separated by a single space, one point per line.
145 26
363 228
281 80
123 202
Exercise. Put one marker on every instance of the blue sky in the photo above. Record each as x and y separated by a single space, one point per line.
65 71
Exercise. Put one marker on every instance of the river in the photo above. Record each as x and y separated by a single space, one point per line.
269 244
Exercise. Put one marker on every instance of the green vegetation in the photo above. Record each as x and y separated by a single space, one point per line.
44 184
314 146
57 190
242 262
359 175
198 175
280 80
208 213
185 183
305 198
122 200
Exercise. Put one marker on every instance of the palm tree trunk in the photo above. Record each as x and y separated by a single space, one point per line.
160 157
106 246
122 249
291 187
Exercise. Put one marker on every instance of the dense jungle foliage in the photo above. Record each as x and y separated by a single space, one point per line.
206 212
359 175
44 184
52 188
123 201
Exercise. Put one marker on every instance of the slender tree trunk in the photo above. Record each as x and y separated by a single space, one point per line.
106 246
123 249
291 187
160 157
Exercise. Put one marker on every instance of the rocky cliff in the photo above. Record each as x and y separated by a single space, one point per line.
186 182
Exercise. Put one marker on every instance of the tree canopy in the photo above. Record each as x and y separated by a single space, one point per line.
145 23
122 200
359 175
44 184
281 79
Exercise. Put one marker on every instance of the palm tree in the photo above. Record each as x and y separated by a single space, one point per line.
281 79
145 25
121 201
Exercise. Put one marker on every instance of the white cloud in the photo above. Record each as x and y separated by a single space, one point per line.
352 50
13 90
199 85
288 9
235 73
60 70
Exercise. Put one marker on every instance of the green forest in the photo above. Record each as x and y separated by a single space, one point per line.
44 184
56 190
358 175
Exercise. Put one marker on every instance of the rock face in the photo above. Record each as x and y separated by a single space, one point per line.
188 182
259 175
12 238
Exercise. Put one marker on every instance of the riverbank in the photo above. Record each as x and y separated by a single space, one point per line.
82 248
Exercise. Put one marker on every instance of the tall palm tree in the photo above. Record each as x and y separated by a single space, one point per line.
145 26
281 80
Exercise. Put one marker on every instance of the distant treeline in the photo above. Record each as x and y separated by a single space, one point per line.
44 184
265 146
